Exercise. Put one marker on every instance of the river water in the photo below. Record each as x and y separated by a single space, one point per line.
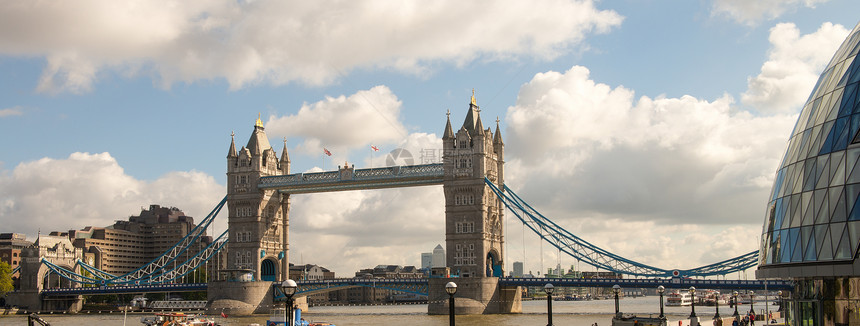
574 313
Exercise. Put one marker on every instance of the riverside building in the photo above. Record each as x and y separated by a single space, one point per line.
127 245
812 228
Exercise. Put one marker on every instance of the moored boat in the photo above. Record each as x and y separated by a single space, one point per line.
679 299
176 319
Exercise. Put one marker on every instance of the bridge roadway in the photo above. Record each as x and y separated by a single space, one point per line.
420 285
356 179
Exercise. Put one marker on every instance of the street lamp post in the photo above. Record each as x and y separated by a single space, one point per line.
548 288
451 288
752 295
289 290
693 303
779 293
717 303
661 289
616 288
735 295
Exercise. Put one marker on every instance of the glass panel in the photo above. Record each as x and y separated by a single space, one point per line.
784 250
853 155
809 174
826 245
794 242
839 213
778 214
851 193
847 97
806 208
854 232
822 111
806 241
824 214
838 175
841 141
822 172
829 134
843 250
796 211
819 200
835 101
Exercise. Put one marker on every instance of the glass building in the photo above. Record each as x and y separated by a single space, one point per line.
812 228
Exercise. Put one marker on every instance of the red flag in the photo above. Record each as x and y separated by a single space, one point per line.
223 315
326 151
374 148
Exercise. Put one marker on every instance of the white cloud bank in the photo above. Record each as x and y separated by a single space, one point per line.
752 12
343 123
93 190
793 66
278 42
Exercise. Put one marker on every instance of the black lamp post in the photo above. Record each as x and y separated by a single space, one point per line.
717 302
735 295
548 288
752 295
779 293
693 303
289 290
660 290
451 288
616 288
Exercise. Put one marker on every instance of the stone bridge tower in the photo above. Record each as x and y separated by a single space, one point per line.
258 220
474 234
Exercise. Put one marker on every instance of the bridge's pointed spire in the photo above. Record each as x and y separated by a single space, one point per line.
449 132
258 142
469 123
479 127
285 157
497 137
232 151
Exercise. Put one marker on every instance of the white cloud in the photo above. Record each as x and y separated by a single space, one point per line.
93 190
13 111
794 63
752 12
278 42
609 166
344 123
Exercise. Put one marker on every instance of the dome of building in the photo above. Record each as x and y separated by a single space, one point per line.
814 212
812 228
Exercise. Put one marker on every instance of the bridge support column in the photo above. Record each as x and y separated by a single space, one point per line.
479 295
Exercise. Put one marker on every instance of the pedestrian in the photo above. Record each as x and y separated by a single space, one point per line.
752 318
735 322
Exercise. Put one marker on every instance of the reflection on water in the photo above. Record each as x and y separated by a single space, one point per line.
576 313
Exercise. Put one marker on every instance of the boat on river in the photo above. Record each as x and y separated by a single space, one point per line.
177 319
679 299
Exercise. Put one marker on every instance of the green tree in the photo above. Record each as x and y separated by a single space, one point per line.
5 278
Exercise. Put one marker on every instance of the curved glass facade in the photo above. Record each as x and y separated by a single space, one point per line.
813 213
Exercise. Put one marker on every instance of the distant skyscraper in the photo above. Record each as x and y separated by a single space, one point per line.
518 269
438 256
426 260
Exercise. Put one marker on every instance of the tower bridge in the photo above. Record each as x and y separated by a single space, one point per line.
259 188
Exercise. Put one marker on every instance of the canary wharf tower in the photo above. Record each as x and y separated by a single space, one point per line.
812 228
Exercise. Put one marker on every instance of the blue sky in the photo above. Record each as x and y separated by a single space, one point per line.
655 114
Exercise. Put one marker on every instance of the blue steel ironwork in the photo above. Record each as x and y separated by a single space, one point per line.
418 286
170 287
676 282
181 270
155 271
357 179
595 256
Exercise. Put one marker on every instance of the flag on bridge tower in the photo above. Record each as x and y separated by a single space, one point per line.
374 148
326 151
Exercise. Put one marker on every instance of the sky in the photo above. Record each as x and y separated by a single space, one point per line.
649 128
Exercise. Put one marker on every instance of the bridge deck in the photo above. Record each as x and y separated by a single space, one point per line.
356 179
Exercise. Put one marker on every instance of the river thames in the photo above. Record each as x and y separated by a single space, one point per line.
575 313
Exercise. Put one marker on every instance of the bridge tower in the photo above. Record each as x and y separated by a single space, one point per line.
258 220
474 233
